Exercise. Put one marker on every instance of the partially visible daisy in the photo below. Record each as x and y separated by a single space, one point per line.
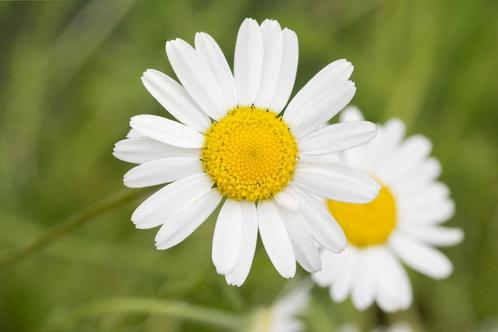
395 327
235 143
283 315
402 223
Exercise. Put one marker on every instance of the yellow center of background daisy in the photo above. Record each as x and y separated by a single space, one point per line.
250 154
366 224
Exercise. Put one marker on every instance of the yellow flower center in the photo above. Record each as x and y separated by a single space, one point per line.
366 224
250 154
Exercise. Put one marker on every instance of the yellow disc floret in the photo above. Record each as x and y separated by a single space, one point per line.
250 154
366 224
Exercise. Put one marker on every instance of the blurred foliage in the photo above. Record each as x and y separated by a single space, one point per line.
70 80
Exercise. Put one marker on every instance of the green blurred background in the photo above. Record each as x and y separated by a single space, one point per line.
70 80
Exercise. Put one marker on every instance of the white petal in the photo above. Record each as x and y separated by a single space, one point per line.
196 78
247 245
139 150
295 302
429 196
362 293
213 58
288 198
434 235
173 97
336 181
288 69
275 239
227 237
344 282
391 281
394 131
439 212
428 171
351 114
167 131
323 108
154 210
322 225
406 159
272 58
421 257
310 160
133 133
283 324
386 303
181 223
358 157
248 61
386 142
331 268
161 171
337 137
305 249
330 76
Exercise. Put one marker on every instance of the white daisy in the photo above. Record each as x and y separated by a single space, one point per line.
283 315
403 222
395 327
233 143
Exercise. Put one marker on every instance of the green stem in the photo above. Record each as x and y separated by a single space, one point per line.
180 310
65 227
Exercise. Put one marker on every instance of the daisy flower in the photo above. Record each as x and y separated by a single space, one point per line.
402 223
283 315
233 143
395 327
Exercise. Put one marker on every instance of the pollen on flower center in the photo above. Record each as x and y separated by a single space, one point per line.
250 154
366 224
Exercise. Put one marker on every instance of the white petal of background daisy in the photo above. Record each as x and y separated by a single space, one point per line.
394 327
401 224
234 144
283 315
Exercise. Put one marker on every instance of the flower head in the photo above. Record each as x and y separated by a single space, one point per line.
283 314
403 222
399 326
234 142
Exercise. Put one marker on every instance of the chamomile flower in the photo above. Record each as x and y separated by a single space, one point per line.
283 314
402 223
395 327
234 143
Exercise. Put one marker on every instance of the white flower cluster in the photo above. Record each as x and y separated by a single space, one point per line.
277 168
